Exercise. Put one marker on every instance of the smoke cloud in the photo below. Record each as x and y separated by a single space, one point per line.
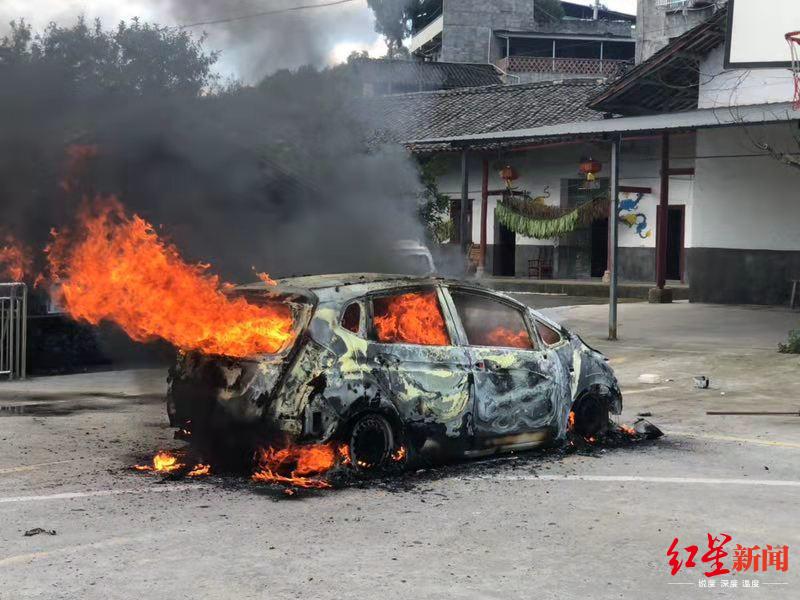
275 177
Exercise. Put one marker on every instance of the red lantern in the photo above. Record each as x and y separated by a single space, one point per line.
590 168
508 174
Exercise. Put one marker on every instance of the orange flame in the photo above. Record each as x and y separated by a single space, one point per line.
15 262
299 466
412 318
627 429
502 336
266 279
399 454
571 421
163 462
115 268
199 470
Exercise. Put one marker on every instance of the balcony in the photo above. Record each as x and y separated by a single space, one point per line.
563 66
426 35
676 5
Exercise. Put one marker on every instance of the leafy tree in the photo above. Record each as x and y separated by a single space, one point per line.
393 20
547 11
136 58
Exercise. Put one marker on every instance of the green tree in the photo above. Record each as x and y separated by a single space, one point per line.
135 58
394 19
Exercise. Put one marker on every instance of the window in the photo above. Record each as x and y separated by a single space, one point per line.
409 318
351 319
549 335
488 322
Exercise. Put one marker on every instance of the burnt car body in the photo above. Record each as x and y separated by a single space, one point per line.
499 376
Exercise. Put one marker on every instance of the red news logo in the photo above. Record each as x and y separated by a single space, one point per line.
745 558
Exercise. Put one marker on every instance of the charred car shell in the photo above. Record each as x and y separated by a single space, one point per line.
339 381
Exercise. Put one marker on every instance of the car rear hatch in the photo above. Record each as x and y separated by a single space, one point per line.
214 390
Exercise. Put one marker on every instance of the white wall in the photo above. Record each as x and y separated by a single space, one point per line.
546 167
738 87
742 202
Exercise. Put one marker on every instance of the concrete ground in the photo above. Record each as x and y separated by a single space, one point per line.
583 525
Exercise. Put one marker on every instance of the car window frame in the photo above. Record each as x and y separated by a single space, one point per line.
398 291
562 337
362 325
518 306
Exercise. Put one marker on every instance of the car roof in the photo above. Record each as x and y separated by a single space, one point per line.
343 286
319 282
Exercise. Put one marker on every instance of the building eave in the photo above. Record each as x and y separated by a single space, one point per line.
687 120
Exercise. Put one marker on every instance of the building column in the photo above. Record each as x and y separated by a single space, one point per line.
484 209
660 293
464 224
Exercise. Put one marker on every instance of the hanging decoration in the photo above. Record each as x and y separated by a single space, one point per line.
509 175
531 217
590 168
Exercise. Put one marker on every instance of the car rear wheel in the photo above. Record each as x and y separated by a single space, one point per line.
371 442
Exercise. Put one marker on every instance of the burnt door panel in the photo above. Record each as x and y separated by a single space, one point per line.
413 358
515 388
514 391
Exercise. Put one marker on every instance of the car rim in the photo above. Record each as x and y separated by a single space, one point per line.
371 442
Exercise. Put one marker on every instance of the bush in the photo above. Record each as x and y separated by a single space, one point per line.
793 345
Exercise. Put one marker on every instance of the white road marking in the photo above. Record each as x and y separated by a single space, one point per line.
648 479
644 391
35 466
730 438
98 493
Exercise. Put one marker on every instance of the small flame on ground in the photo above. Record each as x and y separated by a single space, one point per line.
399 454
113 267
298 466
200 470
627 429
571 421
163 462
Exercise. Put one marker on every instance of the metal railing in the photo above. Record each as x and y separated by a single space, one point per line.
568 66
13 329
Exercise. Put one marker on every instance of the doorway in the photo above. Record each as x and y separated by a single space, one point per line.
675 252
599 247
505 250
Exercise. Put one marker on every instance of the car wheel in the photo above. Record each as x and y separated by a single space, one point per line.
591 416
371 442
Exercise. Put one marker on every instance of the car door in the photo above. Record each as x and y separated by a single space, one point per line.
411 352
518 386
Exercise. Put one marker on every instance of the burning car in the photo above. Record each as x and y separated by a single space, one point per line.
385 366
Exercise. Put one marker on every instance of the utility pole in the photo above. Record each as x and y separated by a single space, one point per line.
596 9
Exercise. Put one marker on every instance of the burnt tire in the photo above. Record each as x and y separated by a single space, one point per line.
591 416
371 442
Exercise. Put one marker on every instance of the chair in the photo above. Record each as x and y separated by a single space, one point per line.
542 266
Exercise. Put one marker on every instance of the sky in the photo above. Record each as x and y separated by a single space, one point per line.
250 48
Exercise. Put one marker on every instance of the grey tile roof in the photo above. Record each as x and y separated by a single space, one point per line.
411 75
405 117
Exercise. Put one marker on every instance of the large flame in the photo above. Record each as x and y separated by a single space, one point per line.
412 318
113 267
505 337
299 466
15 261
